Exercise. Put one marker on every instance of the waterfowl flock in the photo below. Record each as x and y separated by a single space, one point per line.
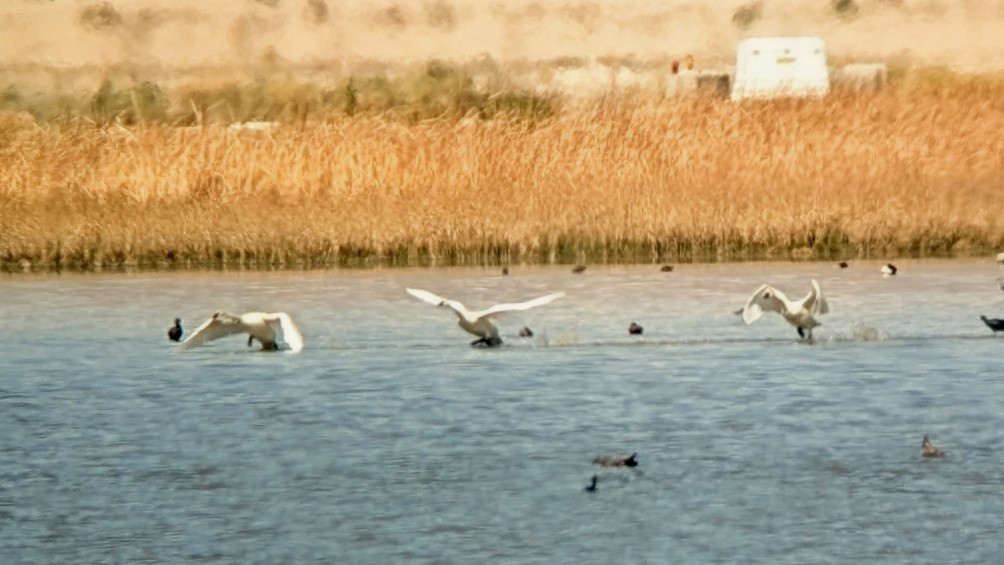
278 332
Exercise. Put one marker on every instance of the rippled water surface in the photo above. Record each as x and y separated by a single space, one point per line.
390 439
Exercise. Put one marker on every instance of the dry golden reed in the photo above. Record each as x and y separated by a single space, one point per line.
907 171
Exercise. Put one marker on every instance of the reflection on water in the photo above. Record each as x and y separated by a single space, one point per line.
390 439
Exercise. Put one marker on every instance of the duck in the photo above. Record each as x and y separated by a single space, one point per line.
842 265
578 269
505 271
995 324
927 449
666 269
617 460
274 331
801 313
635 329
174 332
591 487
525 331
889 269
481 322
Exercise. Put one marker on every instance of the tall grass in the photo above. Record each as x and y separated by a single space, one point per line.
908 171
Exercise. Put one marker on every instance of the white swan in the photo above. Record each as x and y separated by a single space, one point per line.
481 323
274 331
801 314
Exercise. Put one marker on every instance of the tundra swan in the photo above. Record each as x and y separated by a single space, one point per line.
617 461
480 323
175 331
274 331
927 449
801 314
995 324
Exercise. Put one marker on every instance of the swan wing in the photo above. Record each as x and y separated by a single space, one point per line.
436 300
815 302
516 306
765 298
287 334
426 296
219 325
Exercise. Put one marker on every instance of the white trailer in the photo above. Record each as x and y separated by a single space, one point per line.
771 67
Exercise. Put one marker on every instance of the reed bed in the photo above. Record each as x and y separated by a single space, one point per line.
907 171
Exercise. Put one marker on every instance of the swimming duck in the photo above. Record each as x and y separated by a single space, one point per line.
889 269
667 269
592 486
579 269
635 329
995 324
801 314
842 264
275 331
616 461
927 449
526 332
481 322
175 331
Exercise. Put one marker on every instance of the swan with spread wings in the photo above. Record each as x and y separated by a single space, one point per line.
799 313
275 332
481 322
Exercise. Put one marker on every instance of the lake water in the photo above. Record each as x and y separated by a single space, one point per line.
390 439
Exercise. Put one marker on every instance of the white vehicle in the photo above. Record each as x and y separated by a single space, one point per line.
772 67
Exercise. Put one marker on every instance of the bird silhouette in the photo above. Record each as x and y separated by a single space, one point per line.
927 449
175 331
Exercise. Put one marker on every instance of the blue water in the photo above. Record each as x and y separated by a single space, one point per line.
389 439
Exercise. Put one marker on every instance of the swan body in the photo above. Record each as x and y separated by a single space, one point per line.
274 331
799 313
481 322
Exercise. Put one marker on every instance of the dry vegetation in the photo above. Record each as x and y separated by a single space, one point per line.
115 151
912 170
